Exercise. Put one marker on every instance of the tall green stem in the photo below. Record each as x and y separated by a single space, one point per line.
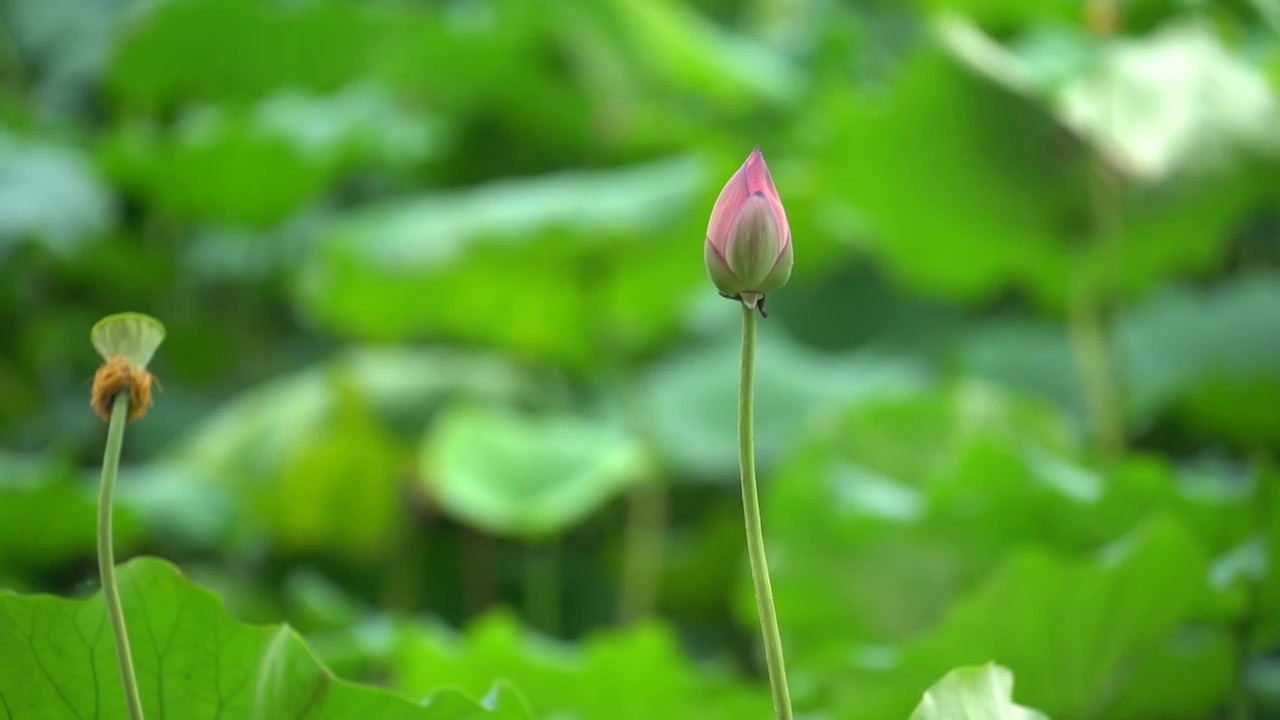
751 509
406 564
479 571
1088 338
542 586
642 559
1098 277
106 554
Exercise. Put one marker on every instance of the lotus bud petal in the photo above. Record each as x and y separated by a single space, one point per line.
748 249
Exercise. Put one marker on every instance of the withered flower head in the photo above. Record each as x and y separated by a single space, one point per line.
126 342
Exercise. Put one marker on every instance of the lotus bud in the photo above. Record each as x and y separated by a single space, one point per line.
748 250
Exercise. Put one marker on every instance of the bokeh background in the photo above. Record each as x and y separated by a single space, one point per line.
447 389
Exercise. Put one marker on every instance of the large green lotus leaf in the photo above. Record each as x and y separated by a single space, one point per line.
50 194
1215 506
259 165
688 405
920 437
608 100
685 50
606 253
350 473
524 476
70 44
1175 99
1210 356
1241 410
1077 634
902 503
902 506
362 123
1008 13
1006 191
829 313
1184 678
1185 343
315 458
974 693
1029 355
255 430
175 54
211 169
996 184
530 75
178 51
633 674
192 659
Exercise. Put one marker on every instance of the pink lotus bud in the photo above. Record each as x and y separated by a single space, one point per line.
748 251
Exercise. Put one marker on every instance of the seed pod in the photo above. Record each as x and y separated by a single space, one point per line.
126 342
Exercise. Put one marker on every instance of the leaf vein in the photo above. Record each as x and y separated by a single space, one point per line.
317 693
31 641
5 704
93 672
155 648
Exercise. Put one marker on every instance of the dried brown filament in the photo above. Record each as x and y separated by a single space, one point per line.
119 375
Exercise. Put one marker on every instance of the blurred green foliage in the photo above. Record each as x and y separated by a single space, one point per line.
447 390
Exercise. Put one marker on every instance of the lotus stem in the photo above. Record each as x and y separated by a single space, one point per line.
751 510
106 553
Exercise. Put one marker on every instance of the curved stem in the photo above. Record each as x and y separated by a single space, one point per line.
751 509
106 554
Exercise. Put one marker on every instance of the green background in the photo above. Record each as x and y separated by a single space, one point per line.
447 390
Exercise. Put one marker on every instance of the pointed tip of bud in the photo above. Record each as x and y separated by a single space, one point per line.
748 237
